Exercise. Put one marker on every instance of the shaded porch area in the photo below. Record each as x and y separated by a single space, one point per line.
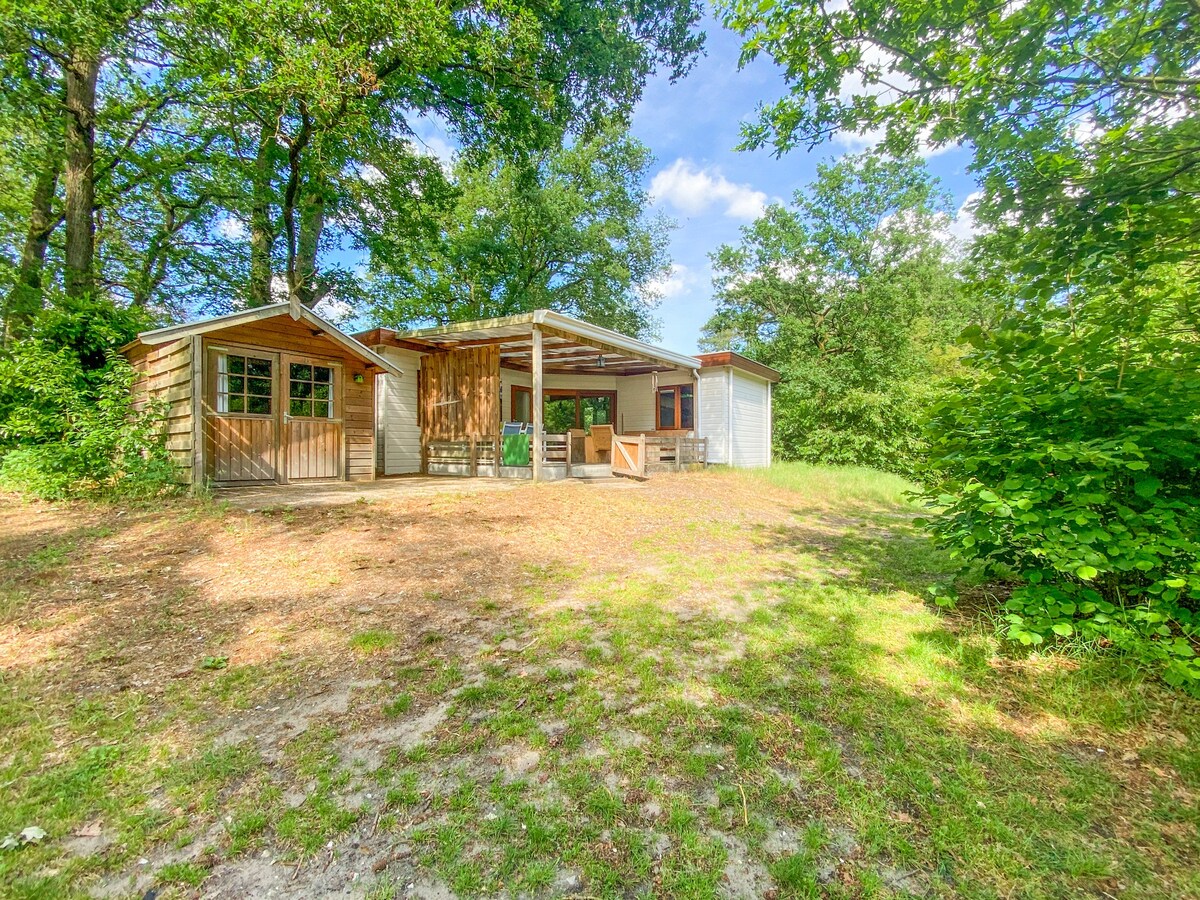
545 397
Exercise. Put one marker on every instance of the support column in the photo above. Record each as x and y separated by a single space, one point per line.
536 402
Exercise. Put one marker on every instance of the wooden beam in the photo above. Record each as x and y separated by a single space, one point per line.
603 347
537 404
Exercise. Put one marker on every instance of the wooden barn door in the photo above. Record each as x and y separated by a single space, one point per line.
312 419
241 434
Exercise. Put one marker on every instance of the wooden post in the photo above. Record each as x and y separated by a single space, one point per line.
569 453
424 456
678 453
472 464
536 401
496 453
641 466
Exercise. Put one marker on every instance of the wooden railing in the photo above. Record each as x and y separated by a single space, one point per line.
638 455
635 455
465 456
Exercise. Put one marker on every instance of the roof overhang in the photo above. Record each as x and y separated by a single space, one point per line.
569 346
737 361
245 317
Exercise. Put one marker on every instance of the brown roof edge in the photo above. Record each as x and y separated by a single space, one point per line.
386 337
729 358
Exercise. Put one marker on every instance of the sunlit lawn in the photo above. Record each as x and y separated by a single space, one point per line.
758 703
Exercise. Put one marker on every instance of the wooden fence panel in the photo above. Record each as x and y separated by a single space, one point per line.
460 393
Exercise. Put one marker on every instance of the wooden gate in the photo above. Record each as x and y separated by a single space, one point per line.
240 431
312 419
629 455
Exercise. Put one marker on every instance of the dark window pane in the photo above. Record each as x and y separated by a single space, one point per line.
236 384
321 373
260 386
686 407
521 410
235 365
260 368
666 409
321 391
301 389
321 409
237 403
302 372
259 405
301 407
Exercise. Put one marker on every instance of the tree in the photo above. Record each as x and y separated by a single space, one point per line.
1070 458
1082 115
852 293
566 229
179 126
344 99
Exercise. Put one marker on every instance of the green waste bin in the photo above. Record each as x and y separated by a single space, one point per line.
516 449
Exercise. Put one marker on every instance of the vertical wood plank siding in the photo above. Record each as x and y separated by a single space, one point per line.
165 374
314 449
460 393
284 334
241 449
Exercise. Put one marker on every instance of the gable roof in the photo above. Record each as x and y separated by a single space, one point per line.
569 345
297 312
729 358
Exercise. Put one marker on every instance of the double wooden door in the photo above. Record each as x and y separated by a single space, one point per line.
273 417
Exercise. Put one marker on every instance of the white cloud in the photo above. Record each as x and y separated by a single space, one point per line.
231 229
439 148
671 283
693 190
964 227
331 309
887 85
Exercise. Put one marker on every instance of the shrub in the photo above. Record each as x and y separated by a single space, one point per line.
1072 458
67 425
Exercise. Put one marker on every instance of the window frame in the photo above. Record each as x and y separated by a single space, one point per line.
561 394
677 389
335 381
222 354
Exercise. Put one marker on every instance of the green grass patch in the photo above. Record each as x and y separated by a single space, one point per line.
371 641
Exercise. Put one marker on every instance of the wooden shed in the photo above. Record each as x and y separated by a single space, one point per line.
272 394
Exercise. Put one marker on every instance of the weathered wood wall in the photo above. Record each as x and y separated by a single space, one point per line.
460 394
165 374
282 333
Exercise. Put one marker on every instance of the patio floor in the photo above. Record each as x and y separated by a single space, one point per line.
396 487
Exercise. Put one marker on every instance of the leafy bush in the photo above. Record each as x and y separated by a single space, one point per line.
67 425
1072 458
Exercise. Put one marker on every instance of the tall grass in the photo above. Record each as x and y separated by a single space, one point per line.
837 485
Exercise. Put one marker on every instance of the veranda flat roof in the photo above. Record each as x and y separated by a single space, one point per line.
569 346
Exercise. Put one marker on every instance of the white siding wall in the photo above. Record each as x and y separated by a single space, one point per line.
397 432
714 413
751 421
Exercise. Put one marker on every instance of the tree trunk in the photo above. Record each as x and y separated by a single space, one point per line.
262 235
79 177
24 301
312 221
291 193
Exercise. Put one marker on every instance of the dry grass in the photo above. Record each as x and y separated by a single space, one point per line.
717 684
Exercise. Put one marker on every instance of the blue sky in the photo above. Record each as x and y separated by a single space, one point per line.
709 188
